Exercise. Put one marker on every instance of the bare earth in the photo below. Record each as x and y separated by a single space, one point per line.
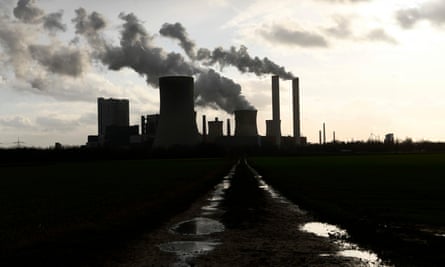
268 235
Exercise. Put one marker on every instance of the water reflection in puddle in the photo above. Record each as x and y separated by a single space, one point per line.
347 249
325 230
198 226
365 256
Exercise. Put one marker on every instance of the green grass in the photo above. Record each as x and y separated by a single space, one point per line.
48 201
402 189
392 204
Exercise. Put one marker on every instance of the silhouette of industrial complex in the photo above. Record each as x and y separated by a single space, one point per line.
176 123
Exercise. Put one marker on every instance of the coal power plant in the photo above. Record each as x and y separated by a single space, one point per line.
177 121
176 124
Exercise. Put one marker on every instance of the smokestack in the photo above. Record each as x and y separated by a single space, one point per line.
143 126
269 128
245 123
296 108
176 112
319 136
204 128
228 127
324 133
276 109
333 137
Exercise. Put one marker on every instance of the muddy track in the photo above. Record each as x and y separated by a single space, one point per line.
240 223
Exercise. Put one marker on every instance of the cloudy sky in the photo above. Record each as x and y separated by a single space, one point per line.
366 67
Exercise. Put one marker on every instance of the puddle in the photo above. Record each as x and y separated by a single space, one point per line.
324 230
367 257
198 226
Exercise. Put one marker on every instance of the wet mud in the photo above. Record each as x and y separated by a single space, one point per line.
244 222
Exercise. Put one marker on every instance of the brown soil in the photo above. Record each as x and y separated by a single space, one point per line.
260 231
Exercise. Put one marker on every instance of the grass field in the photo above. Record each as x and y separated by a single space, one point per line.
50 203
386 200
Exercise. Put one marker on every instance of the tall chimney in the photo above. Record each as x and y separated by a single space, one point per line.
204 128
319 136
143 125
296 109
228 127
333 137
276 109
324 133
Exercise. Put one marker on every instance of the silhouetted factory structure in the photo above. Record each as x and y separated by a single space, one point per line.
113 120
176 125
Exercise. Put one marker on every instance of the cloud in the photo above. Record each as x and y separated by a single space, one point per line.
432 11
52 123
342 29
16 122
380 35
282 35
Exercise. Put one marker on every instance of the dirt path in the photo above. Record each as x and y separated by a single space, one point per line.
260 229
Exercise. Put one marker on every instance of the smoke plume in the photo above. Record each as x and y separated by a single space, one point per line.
177 31
53 22
50 64
238 58
27 12
212 90
241 59
136 51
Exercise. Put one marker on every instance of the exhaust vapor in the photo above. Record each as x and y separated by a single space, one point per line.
41 63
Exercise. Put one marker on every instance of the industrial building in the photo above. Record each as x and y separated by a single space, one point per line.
113 120
112 112
177 122
175 125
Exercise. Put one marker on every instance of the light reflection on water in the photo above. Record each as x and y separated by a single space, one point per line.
325 230
200 226
347 249
371 258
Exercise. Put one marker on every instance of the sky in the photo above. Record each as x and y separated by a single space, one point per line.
366 67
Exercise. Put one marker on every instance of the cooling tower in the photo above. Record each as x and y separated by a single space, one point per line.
296 108
215 129
245 123
177 124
